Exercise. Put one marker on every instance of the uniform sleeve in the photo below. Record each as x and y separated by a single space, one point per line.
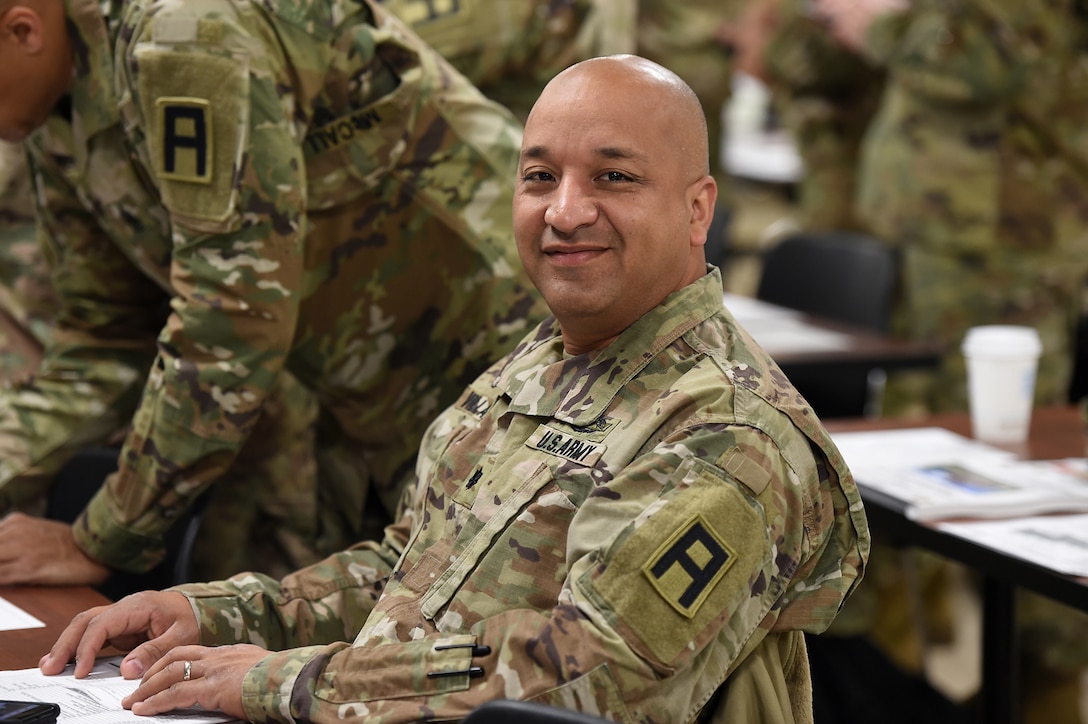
827 95
99 350
677 567
951 54
318 605
322 604
223 152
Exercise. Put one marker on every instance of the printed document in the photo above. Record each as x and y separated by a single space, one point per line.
1059 542
12 617
95 699
782 331
940 474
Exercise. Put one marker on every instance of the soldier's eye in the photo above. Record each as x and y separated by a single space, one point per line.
537 176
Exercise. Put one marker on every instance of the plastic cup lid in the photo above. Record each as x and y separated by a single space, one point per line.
1002 340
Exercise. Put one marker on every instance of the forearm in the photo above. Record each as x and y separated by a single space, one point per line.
322 604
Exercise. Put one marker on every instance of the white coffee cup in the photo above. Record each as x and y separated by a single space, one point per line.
1001 366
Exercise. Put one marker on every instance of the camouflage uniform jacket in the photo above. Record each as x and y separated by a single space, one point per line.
613 532
238 188
510 50
989 92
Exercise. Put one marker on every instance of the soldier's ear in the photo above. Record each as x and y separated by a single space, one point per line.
21 27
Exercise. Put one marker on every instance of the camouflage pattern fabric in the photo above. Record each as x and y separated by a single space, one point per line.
27 302
615 532
827 96
265 513
976 165
682 37
253 188
510 50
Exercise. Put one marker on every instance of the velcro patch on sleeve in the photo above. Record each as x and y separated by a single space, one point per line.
688 567
196 106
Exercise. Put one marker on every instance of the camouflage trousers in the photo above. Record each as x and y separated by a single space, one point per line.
283 504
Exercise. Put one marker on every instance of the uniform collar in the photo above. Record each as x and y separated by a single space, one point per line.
94 102
540 381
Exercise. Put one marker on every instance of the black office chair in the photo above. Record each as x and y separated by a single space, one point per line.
74 486
1078 384
506 711
844 276
718 236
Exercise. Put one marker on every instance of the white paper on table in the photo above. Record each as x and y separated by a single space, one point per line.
782 331
13 618
940 474
1059 542
95 699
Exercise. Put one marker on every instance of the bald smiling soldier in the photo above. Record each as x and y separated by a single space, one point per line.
632 514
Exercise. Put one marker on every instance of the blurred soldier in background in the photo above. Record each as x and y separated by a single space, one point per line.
975 165
826 95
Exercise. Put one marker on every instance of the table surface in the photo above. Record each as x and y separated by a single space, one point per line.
54 606
1056 432
795 339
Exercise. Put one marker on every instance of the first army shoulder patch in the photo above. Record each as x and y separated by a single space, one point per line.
186 139
686 567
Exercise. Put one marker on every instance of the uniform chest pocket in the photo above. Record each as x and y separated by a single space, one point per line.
353 153
490 523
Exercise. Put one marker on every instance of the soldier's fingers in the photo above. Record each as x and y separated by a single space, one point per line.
172 683
78 635
140 660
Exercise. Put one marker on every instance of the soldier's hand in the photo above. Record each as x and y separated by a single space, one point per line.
192 676
148 625
40 551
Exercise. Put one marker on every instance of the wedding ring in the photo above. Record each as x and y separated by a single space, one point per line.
187 672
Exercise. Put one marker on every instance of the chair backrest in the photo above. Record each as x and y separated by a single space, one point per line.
844 276
508 711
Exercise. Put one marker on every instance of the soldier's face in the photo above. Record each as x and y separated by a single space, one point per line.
35 66
603 212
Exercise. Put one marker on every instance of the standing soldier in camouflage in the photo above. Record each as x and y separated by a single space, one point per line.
626 513
826 95
976 167
227 192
